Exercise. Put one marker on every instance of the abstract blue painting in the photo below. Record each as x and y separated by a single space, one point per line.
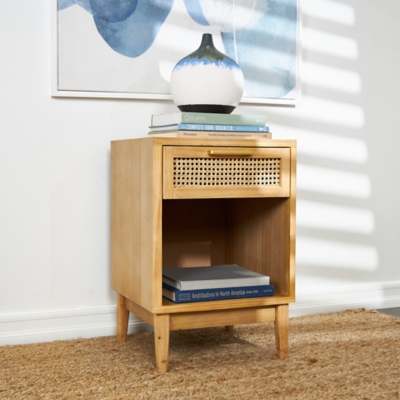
128 48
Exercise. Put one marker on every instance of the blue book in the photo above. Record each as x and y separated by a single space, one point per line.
210 127
191 296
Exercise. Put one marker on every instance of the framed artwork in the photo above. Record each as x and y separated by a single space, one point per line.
128 48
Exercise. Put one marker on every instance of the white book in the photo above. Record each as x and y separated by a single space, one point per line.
207 118
214 277
212 134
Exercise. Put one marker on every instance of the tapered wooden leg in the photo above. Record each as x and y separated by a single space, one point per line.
161 341
122 319
282 330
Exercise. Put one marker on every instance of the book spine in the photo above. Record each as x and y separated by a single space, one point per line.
214 135
171 283
217 135
208 118
190 296
222 128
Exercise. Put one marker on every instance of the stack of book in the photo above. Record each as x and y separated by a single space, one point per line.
211 125
187 285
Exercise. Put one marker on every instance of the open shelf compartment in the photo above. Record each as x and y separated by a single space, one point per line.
251 232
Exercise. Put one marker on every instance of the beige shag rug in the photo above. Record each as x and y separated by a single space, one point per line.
346 355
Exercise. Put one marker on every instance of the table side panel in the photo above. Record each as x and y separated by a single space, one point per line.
134 221
293 202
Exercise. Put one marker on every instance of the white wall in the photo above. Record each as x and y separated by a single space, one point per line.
54 173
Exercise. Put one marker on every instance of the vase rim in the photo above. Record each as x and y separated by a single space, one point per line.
207 38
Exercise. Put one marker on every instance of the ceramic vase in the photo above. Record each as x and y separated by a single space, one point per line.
207 80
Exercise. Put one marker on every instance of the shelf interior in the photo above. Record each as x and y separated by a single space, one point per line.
251 232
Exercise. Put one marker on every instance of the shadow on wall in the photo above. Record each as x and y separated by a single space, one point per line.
334 224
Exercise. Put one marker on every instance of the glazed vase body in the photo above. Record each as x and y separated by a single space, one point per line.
207 81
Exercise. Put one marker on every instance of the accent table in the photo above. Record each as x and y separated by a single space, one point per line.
179 202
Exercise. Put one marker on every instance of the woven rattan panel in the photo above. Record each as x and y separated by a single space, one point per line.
192 172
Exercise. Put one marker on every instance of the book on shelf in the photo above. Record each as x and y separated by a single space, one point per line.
214 277
209 127
207 118
241 292
213 134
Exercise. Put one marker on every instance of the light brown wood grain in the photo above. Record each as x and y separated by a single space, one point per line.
172 308
161 341
140 312
221 318
155 225
282 330
136 201
122 318
260 238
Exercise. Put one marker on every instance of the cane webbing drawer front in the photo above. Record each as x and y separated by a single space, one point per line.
201 172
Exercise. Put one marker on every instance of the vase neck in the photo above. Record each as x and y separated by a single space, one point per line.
207 41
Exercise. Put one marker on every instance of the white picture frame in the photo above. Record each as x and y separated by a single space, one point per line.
84 65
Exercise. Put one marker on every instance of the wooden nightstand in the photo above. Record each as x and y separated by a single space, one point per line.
186 202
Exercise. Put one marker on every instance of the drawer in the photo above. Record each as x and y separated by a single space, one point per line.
226 172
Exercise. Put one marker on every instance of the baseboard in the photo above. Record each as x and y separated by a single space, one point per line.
370 296
48 326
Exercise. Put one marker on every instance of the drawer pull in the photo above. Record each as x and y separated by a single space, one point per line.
230 153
